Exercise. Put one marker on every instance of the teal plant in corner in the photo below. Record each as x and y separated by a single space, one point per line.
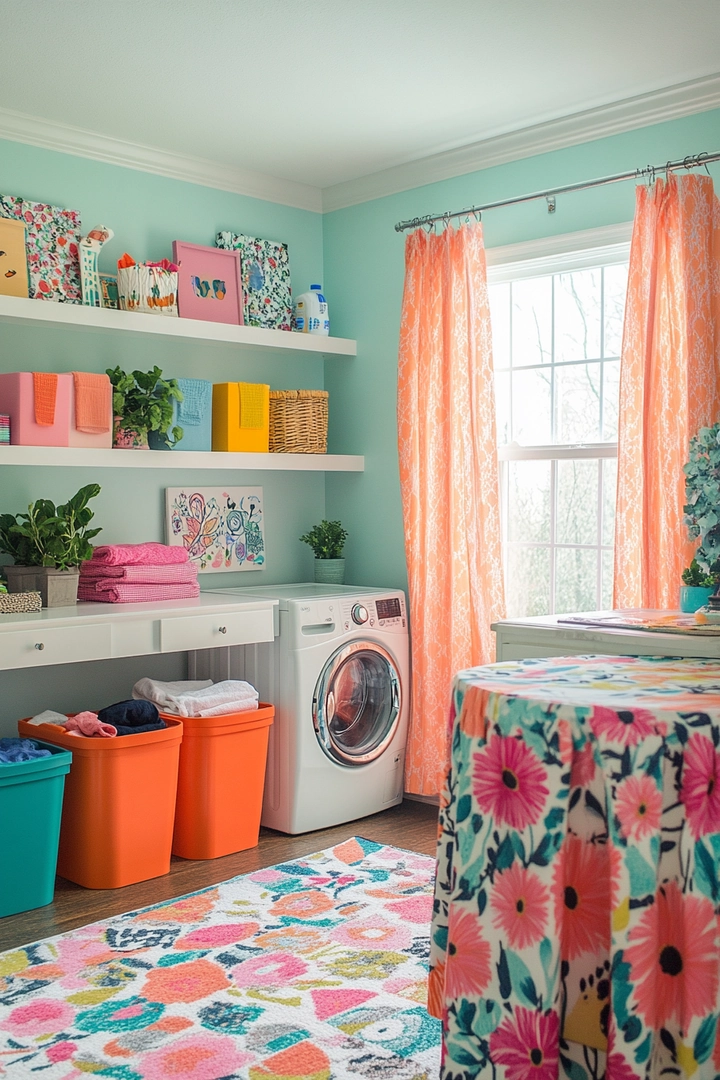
328 543
143 403
48 543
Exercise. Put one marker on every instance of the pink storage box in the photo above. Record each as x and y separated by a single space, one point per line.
17 399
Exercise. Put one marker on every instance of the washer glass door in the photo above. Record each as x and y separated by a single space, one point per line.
356 706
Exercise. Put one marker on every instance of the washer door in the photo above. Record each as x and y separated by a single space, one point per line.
356 705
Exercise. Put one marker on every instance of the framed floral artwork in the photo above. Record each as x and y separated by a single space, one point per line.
220 528
265 266
52 237
209 283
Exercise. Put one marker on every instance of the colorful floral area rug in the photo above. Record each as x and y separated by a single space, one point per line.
310 970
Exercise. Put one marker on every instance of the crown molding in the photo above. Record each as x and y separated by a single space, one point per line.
671 103
19 127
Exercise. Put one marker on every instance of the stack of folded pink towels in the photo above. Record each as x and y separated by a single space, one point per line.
133 573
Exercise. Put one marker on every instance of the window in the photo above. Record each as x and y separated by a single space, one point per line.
557 329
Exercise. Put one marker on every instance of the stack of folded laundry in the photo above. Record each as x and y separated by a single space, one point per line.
199 698
133 573
130 717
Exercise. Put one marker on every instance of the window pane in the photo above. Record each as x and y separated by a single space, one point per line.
528 514
611 397
577 315
607 580
577 502
577 403
615 290
531 407
575 580
528 581
500 322
502 407
609 467
532 321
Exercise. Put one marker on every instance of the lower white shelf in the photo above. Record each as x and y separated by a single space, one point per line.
177 459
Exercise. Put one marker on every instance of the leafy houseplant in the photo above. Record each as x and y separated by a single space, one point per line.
143 403
702 517
327 541
695 578
48 543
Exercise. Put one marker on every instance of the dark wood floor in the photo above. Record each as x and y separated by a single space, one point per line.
411 825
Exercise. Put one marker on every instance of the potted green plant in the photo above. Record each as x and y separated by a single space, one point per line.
143 409
327 541
48 543
702 511
697 587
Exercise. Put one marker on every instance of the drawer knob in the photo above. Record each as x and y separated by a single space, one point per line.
222 629
39 645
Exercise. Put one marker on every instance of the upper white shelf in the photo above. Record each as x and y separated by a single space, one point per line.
80 317
178 459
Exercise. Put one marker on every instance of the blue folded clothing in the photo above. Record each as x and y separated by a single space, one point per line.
132 717
13 751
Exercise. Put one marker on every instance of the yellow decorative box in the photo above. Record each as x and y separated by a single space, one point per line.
241 417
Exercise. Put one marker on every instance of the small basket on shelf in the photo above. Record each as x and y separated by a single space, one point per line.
298 421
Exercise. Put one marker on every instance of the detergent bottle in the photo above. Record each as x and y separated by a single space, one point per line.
311 312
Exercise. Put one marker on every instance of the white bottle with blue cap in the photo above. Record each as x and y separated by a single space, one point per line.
311 313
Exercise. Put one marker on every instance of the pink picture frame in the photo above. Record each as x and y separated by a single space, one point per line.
209 283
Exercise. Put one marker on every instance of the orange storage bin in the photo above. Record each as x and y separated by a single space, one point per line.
119 806
221 782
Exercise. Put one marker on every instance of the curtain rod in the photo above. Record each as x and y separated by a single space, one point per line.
690 162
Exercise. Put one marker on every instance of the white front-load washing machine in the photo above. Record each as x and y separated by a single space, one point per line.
338 675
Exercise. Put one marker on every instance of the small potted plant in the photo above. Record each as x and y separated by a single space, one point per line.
327 541
702 512
143 409
48 543
697 586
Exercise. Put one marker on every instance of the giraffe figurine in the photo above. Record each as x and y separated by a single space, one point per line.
90 247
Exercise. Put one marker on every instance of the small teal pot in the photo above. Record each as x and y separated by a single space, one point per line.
693 597
330 571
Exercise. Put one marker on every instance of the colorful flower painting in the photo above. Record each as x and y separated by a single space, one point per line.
265 269
221 528
575 930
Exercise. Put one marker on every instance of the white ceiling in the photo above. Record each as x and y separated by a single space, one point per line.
324 91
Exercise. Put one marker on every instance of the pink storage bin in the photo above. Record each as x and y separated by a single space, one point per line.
17 399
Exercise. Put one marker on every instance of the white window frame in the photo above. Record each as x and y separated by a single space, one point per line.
564 253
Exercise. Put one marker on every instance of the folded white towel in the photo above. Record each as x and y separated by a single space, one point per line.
199 698
164 694
49 717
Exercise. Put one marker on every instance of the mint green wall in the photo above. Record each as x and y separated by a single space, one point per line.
364 279
147 213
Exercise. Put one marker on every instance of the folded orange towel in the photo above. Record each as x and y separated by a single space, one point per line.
45 385
92 402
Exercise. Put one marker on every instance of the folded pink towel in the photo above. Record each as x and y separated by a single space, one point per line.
92 571
87 723
150 554
120 592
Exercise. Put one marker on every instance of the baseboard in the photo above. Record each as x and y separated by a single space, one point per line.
432 800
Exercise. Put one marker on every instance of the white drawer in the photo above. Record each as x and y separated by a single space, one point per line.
54 645
213 631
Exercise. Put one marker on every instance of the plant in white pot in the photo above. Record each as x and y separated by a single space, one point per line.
328 541
48 543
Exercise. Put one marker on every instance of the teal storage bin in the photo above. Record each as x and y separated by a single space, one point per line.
31 797
193 415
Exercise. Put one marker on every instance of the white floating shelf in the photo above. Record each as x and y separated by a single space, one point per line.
177 459
38 312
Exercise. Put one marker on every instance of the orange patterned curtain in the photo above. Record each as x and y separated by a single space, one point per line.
668 383
449 481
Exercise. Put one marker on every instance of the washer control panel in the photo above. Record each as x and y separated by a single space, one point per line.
382 612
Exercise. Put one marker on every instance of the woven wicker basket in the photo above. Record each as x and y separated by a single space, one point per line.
298 421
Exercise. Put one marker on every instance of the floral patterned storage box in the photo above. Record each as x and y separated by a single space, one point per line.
265 268
52 238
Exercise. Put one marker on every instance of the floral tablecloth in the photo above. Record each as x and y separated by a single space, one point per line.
575 925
